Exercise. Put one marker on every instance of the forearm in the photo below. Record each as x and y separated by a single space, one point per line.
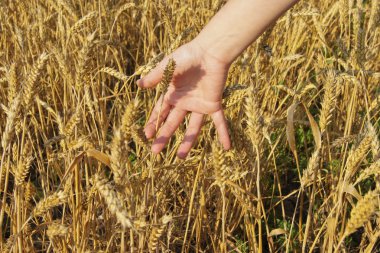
238 24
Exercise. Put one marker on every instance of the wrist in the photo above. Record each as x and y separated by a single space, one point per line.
212 52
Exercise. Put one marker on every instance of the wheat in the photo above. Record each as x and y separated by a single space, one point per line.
129 117
68 129
167 75
362 212
81 22
23 167
29 191
357 155
328 102
375 144
374 169
254 118
311 170
68 8
122 9
56 199
84 59
115 73
11 121
12 83
56 228
119 148
139 137
344 140
221 169
29 87
113 203
78 115
157 232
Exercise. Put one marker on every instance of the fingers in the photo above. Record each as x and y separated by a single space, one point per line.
175 118
222 129
192 132
159 114
154 76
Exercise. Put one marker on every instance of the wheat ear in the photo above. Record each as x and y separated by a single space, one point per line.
113 202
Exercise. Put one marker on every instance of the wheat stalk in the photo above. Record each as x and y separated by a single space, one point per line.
12 115
29 87
362 212
115 73
56 199
328 102
113 202
357 155
56 228
157 232
81 22
254 118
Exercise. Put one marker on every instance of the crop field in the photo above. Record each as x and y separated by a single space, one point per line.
78 174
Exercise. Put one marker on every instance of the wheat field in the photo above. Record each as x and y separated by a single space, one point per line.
77 174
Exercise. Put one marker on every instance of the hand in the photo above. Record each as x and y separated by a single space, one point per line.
197 87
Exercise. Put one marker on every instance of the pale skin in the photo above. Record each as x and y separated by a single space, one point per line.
201 72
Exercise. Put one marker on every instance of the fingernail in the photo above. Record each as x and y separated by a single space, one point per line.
181 155
148 135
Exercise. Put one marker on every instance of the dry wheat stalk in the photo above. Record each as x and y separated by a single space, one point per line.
362 212
356 155
73 81
374 17
255 120
123 8
139 137
221 170
62 64
56 228
9 244
166 15
24 164
157 232
84 60
235 98
312 168
115 73
167 76
119 154
12 115
68 129
143 70
56 199
375 144
374 169
113 203
29 87
81 22
52 111
129 117
244 200
68 8
328 102
344 140
12 83
29 191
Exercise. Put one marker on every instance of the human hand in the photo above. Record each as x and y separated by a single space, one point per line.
196 88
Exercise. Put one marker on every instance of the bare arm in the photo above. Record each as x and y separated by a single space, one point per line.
238 24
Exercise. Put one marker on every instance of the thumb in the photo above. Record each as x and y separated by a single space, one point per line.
153 77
